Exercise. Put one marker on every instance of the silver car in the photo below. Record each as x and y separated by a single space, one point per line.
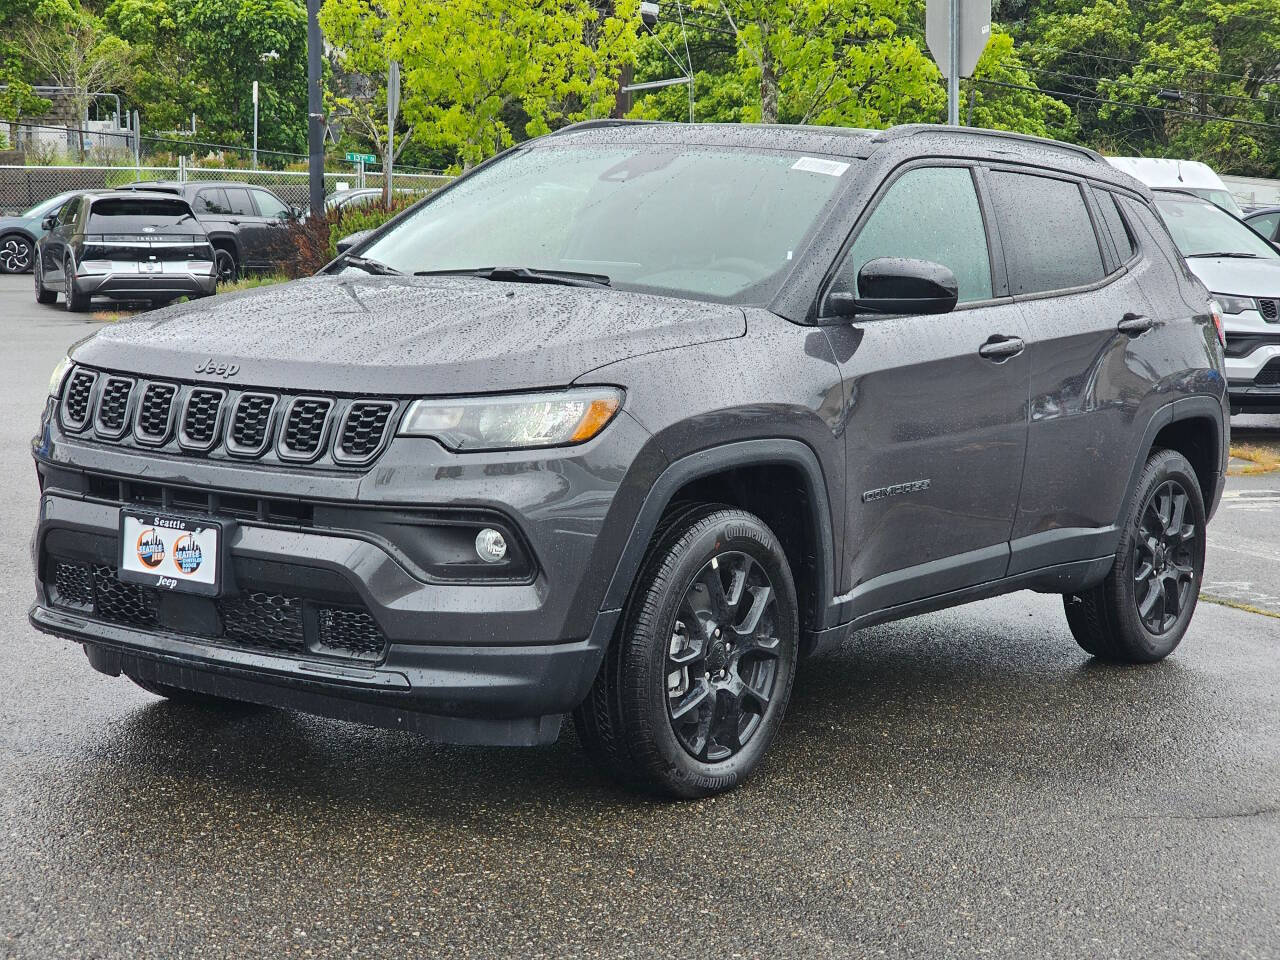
1242 270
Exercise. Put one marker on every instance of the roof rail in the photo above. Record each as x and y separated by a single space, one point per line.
915 129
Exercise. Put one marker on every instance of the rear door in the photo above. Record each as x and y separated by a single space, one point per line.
57 242
1080 291
936 423
272 225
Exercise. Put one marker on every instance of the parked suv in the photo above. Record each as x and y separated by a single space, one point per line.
248 225
123 245
628 420
1242 271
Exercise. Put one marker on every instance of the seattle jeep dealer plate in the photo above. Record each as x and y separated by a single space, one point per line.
171 553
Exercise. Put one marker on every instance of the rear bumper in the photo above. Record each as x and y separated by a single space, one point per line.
123 286
506 696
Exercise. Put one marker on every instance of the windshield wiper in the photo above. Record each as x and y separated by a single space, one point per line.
565 278
1226 253
376 267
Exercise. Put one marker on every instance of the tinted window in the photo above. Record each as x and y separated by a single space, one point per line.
68 211
269 205
123 215
930 213
238 201
1265 224
1048 238
211 201
1121 235
1203 229
708 222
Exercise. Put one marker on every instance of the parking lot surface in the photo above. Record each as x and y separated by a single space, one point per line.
962 784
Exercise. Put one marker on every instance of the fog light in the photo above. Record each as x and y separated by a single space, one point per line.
491 546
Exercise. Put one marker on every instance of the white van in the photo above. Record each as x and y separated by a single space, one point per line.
1187 175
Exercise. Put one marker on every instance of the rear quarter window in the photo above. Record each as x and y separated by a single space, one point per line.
1114 220
1047 233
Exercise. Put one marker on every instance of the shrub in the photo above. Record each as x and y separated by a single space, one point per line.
315 240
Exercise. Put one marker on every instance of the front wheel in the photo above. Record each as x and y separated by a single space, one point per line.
694 687
1140 613
15 254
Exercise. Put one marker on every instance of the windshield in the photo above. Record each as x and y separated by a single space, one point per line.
46 207
1221 198
1201 229
720 224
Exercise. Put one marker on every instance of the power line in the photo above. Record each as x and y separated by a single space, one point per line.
1125 103
1143 63
1149 86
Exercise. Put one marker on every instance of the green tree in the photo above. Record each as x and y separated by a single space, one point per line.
1002 95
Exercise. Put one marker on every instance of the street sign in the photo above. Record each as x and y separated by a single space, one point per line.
974 31
361 157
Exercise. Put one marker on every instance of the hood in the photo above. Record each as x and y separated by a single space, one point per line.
405 335
18 223
1238 275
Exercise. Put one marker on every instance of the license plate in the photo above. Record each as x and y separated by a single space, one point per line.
145 267
183 554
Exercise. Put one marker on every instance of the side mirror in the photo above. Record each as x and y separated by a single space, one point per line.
294 211
897 285
49 222
352 240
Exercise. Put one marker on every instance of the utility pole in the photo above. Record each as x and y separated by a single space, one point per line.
953 71
255 124
315 119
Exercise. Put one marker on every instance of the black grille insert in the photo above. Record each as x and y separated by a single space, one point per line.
363 429
348 632
155 412
305 427
251 424
113 407
267 621
1270 310
75 403
1269 376
201 418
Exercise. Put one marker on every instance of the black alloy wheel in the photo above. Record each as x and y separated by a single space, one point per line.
74 301
224 263
722 663
1164 573
42 295
15 254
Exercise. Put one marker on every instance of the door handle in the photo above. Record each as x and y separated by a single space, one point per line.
1135 325
234 223
1000 349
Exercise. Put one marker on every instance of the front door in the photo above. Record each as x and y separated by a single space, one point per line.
935 430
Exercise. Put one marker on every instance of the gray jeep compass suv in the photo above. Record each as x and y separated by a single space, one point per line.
629 420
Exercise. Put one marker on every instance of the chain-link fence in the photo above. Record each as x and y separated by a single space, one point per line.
23 187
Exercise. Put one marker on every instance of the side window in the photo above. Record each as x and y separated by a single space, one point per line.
68 212
1046 232
212 200
930 213
269 205
238 202
1121 235
1266 224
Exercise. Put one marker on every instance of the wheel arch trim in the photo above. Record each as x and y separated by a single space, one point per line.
1200 407
703 463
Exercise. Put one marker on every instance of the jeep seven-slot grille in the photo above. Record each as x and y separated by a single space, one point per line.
155 412
200 419
113 406
1270 310
305 426
75 406
219 422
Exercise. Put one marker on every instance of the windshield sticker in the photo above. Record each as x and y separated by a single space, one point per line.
832 168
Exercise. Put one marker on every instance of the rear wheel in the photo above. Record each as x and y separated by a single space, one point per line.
225 266
1140 613
42 295
694 687
15 254
76 301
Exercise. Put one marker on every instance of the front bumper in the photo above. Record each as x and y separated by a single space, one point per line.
469 661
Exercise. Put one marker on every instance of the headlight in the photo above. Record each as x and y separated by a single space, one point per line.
59 374
514 421
1234 304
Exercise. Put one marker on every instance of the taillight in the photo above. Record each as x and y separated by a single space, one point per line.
1215 311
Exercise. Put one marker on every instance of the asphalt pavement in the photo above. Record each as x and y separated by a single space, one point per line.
961 784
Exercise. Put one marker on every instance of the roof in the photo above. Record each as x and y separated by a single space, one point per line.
853 142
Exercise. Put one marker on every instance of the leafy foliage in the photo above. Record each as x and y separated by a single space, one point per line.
314 241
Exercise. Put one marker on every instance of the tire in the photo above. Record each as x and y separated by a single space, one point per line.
189 698
15 253
676 710
42 295
225 266
1140 613
76 302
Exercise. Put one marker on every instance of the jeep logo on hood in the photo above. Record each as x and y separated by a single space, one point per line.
217 368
